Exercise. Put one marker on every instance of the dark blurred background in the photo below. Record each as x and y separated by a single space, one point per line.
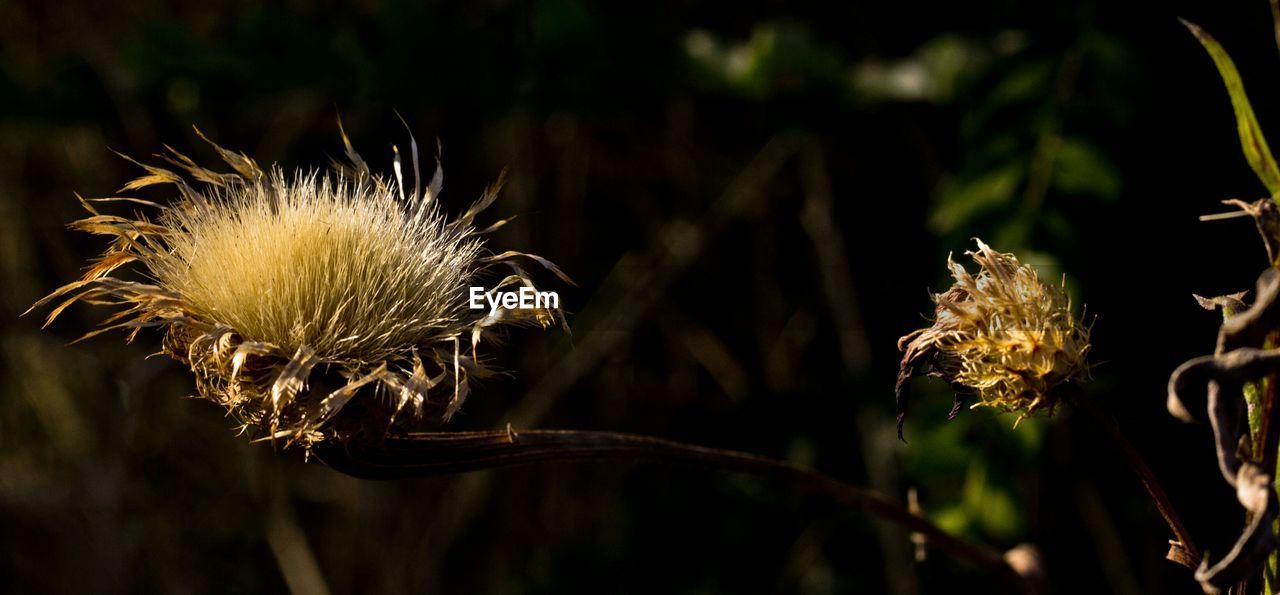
755 199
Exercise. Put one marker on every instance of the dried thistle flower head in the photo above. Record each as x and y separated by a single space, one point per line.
1002 334
288 294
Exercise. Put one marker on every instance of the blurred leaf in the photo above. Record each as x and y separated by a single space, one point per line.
1025 82
1252 141
992 506
1057 226
778 57
1082 169
985 508
1013 232
1111 62
938 446
958 204
938 71
1030 431
992 150
931 73
953 519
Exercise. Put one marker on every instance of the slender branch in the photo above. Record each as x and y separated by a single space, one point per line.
439 453
1268 433
1267 426
1183 550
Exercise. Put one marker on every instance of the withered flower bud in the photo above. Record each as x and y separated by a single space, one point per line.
1003 335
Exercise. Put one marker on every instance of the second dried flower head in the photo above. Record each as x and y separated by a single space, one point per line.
1002 335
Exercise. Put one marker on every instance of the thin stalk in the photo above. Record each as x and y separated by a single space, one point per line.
439 453
1183 550
1268 438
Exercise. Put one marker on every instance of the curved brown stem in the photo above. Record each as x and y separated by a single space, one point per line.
438 453
1182 550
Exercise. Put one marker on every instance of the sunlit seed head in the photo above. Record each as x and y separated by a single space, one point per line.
308 260
266 281
1003 334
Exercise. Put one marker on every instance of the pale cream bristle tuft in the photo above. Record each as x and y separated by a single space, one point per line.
264 279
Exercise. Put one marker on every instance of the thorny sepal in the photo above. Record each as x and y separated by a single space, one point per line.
393 319
1002 335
